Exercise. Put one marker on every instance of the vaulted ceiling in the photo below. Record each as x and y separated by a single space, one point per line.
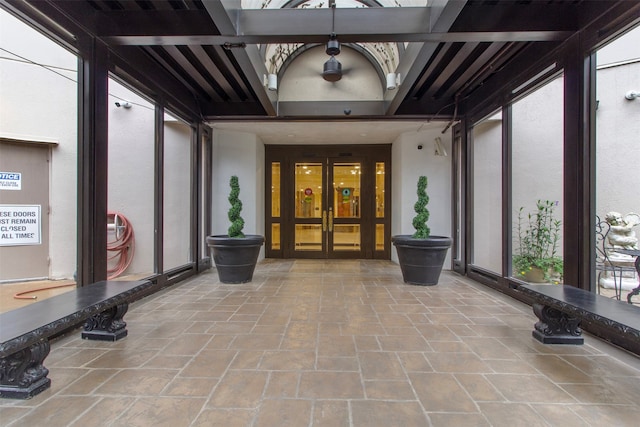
212 54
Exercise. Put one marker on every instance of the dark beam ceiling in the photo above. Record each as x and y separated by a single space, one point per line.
200 50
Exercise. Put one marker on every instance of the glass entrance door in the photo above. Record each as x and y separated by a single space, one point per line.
344 230
327 209
327 204
311 218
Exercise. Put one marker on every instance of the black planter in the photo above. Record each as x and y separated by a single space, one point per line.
235 258
421 259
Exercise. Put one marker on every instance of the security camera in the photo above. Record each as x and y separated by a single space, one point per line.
419 146
123 104
347 112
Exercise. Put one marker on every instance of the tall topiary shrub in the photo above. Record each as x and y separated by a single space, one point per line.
237 223
420 220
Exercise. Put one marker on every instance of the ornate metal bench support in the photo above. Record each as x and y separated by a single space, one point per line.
108 325
22 374
556 327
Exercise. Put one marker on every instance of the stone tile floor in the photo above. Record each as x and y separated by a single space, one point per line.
331 343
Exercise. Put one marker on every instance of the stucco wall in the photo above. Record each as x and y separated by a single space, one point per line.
408 163
40 104
132 171
240 154
487 195
618 140
303 78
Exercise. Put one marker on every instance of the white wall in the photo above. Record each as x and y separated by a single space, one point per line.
408 163
623 49
303 78
618 140
39 104
132 171
177 193
487 194
240 154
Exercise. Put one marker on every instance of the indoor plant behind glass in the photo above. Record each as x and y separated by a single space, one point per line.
536 258
421 255
235 254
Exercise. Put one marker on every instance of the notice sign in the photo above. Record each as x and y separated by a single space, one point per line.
10 181
20 225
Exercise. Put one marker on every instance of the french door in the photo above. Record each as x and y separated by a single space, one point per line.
328 202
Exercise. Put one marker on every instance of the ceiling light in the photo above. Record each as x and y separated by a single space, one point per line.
333 46
332 70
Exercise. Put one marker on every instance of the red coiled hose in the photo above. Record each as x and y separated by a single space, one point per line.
122 247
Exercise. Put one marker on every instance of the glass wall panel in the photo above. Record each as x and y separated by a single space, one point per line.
131 206
537 158
308 190
617 160
379 237
380 190
346 237
308 237
275 189
487 194
275 236
205 191
177 192
346 187
38 151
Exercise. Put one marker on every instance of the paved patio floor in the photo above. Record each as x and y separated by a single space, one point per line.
331 343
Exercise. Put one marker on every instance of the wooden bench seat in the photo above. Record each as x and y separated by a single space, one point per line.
562 308
25 332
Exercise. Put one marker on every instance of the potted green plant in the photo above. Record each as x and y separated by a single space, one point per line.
536 258
421 255
235 254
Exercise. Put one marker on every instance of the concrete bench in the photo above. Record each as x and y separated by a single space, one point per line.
562 308
25 332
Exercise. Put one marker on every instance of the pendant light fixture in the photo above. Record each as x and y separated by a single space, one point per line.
332 70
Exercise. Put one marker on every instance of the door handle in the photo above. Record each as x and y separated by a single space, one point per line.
330 220
324 220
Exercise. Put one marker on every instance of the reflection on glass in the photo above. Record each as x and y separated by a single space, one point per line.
275 189
131 183
379 237
308 237
617 155
204 190
380 190
275 237
346 184
487 196
537 151
177 193
346 237
308 190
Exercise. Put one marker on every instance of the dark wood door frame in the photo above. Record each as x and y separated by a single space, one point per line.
286 156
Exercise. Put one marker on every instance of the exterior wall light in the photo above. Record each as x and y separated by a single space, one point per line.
272 82
393 81
632 94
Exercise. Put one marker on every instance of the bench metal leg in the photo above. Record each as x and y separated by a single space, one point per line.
635 291
556 327
108 325
22 374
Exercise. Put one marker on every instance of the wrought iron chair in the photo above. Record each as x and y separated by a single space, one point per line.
604 264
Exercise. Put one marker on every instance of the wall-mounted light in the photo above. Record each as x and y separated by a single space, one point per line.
393 81
439 147
632 94
272 82
123 104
